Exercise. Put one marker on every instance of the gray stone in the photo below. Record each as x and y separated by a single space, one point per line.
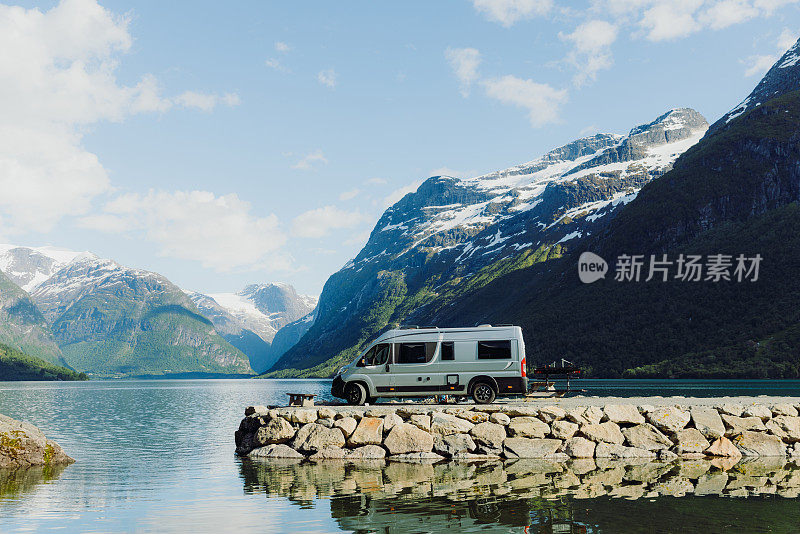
521 411
647 437
303 416
278 430
250 410
464 456
548 414
367 452
489 436
24 445
668 418
417 457
667 456
690 440
790 426
325 413
528 427
731 409
444 424
389 421
711 483
452 444
576 416
579 448
405 437
757 410
499 418
368 432
607 432
707 421
723 447
313 437
421 421
473 417
618 452
530 448
593 414
347 425
784 409
737 425
277 450
562 429
325 422
759 444
623 414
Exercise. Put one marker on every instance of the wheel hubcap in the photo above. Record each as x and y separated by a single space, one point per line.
483 392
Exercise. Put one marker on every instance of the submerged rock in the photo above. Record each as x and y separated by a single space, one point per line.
24 445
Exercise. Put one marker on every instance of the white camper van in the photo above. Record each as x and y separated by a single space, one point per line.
482 362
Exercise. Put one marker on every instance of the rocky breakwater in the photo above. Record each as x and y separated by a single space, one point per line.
24 445
461 432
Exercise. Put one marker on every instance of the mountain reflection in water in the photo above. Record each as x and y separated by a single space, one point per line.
589 495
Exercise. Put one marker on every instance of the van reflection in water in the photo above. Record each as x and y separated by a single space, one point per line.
581 496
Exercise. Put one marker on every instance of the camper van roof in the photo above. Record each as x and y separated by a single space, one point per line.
422 329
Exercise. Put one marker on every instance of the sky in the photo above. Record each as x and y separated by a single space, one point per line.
228 143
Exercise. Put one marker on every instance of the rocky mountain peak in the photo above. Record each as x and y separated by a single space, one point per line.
783 77
674 125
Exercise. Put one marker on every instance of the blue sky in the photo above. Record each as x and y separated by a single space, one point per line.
224 143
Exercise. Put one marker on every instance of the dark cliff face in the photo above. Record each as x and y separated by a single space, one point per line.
454 235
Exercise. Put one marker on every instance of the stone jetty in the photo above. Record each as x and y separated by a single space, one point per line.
24 445
559 432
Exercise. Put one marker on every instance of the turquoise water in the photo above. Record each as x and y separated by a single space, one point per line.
158 456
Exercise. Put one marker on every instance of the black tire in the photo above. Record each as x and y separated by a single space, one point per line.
355 394
483 393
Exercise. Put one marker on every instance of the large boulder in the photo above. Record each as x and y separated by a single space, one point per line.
500 418
623 414
722 446
421 421
24 445
328 453
278 430
259 409
757 410
548 414
607 432
489 437
530 448
579 447
790 426
389 421
647 437
405 437
347 425
784 409
528 427
313 437
563 429
277 450
303 416
668 419
759 444
368 432
707 421
367 452
736 425
445 423
452 444
690 440
617 452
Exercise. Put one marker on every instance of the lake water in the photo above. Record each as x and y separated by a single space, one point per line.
157 455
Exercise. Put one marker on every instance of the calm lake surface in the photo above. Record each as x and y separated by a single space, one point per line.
157 455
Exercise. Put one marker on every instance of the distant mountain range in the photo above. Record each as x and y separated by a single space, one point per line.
504 248
97 316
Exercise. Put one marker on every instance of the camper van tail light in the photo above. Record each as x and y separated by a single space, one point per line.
523 369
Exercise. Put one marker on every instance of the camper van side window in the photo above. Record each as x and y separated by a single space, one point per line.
416 352
494 350
448 351
382 354
367 359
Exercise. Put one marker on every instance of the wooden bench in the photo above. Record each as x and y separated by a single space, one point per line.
301 399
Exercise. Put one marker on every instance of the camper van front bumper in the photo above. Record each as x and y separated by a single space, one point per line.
337 388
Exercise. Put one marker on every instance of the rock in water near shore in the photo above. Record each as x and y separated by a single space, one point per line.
24 445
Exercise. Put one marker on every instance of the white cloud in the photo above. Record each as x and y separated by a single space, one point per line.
447 171
507 12
220 232
759 64
274 64
464 62
349 195
308 161
193 99
786 40
399 193
671 19
327 78
376 181
231 99
541 101
320 222
359 238
58 76
282 47
591 51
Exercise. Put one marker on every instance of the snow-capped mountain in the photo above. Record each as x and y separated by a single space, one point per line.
251 318
109 319
455 234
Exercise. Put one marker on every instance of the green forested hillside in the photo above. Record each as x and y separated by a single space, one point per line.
16 365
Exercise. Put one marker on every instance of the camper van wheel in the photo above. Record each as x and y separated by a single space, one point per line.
483 393
355 394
